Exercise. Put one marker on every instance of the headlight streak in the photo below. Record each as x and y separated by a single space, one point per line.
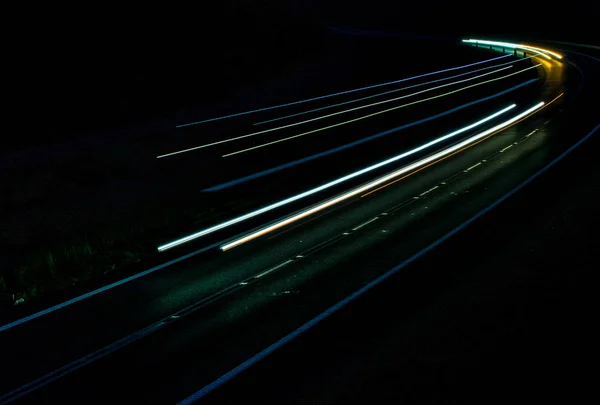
330 184
460 150
541 51
377 182
340 93
507 45
388 92
373 114
328 115
288 165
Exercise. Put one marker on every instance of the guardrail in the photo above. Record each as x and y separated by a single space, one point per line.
497 45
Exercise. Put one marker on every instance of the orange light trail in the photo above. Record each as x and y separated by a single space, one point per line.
295 217
461 150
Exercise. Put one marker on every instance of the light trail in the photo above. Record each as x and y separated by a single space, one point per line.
288 165
260 356
507 45
328 115
377 182
329 184
388 92
542 51
341 93
465 148
373 114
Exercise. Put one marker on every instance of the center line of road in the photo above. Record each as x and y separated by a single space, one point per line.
365 224
508 147
113 347
531 133
264 273
121 343
428 191
472 167
228 376
447 156
50 377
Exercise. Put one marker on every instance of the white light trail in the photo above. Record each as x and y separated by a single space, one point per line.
540 51
389 92
340 93
330 115
378 182
373 114
330 184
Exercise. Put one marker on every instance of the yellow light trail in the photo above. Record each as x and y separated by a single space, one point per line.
542 51
463 149
376 113
331 183
381 180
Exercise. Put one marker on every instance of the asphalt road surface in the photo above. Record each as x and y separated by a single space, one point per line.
164 336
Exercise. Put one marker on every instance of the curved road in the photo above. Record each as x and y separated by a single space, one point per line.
164 336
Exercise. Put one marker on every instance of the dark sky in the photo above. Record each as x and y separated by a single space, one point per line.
114 55
526 17
53 28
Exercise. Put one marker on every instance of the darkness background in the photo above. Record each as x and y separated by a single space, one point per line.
70 70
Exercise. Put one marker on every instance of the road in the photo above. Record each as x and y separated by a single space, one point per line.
476 321
242 300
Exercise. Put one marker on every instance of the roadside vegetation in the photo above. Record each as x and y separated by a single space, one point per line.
88 256
62 96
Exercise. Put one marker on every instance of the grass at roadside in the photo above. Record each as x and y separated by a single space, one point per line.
77 216
83 217
58 265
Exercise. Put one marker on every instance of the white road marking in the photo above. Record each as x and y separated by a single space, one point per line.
428 191
531 133
280 265
472 167
365 224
